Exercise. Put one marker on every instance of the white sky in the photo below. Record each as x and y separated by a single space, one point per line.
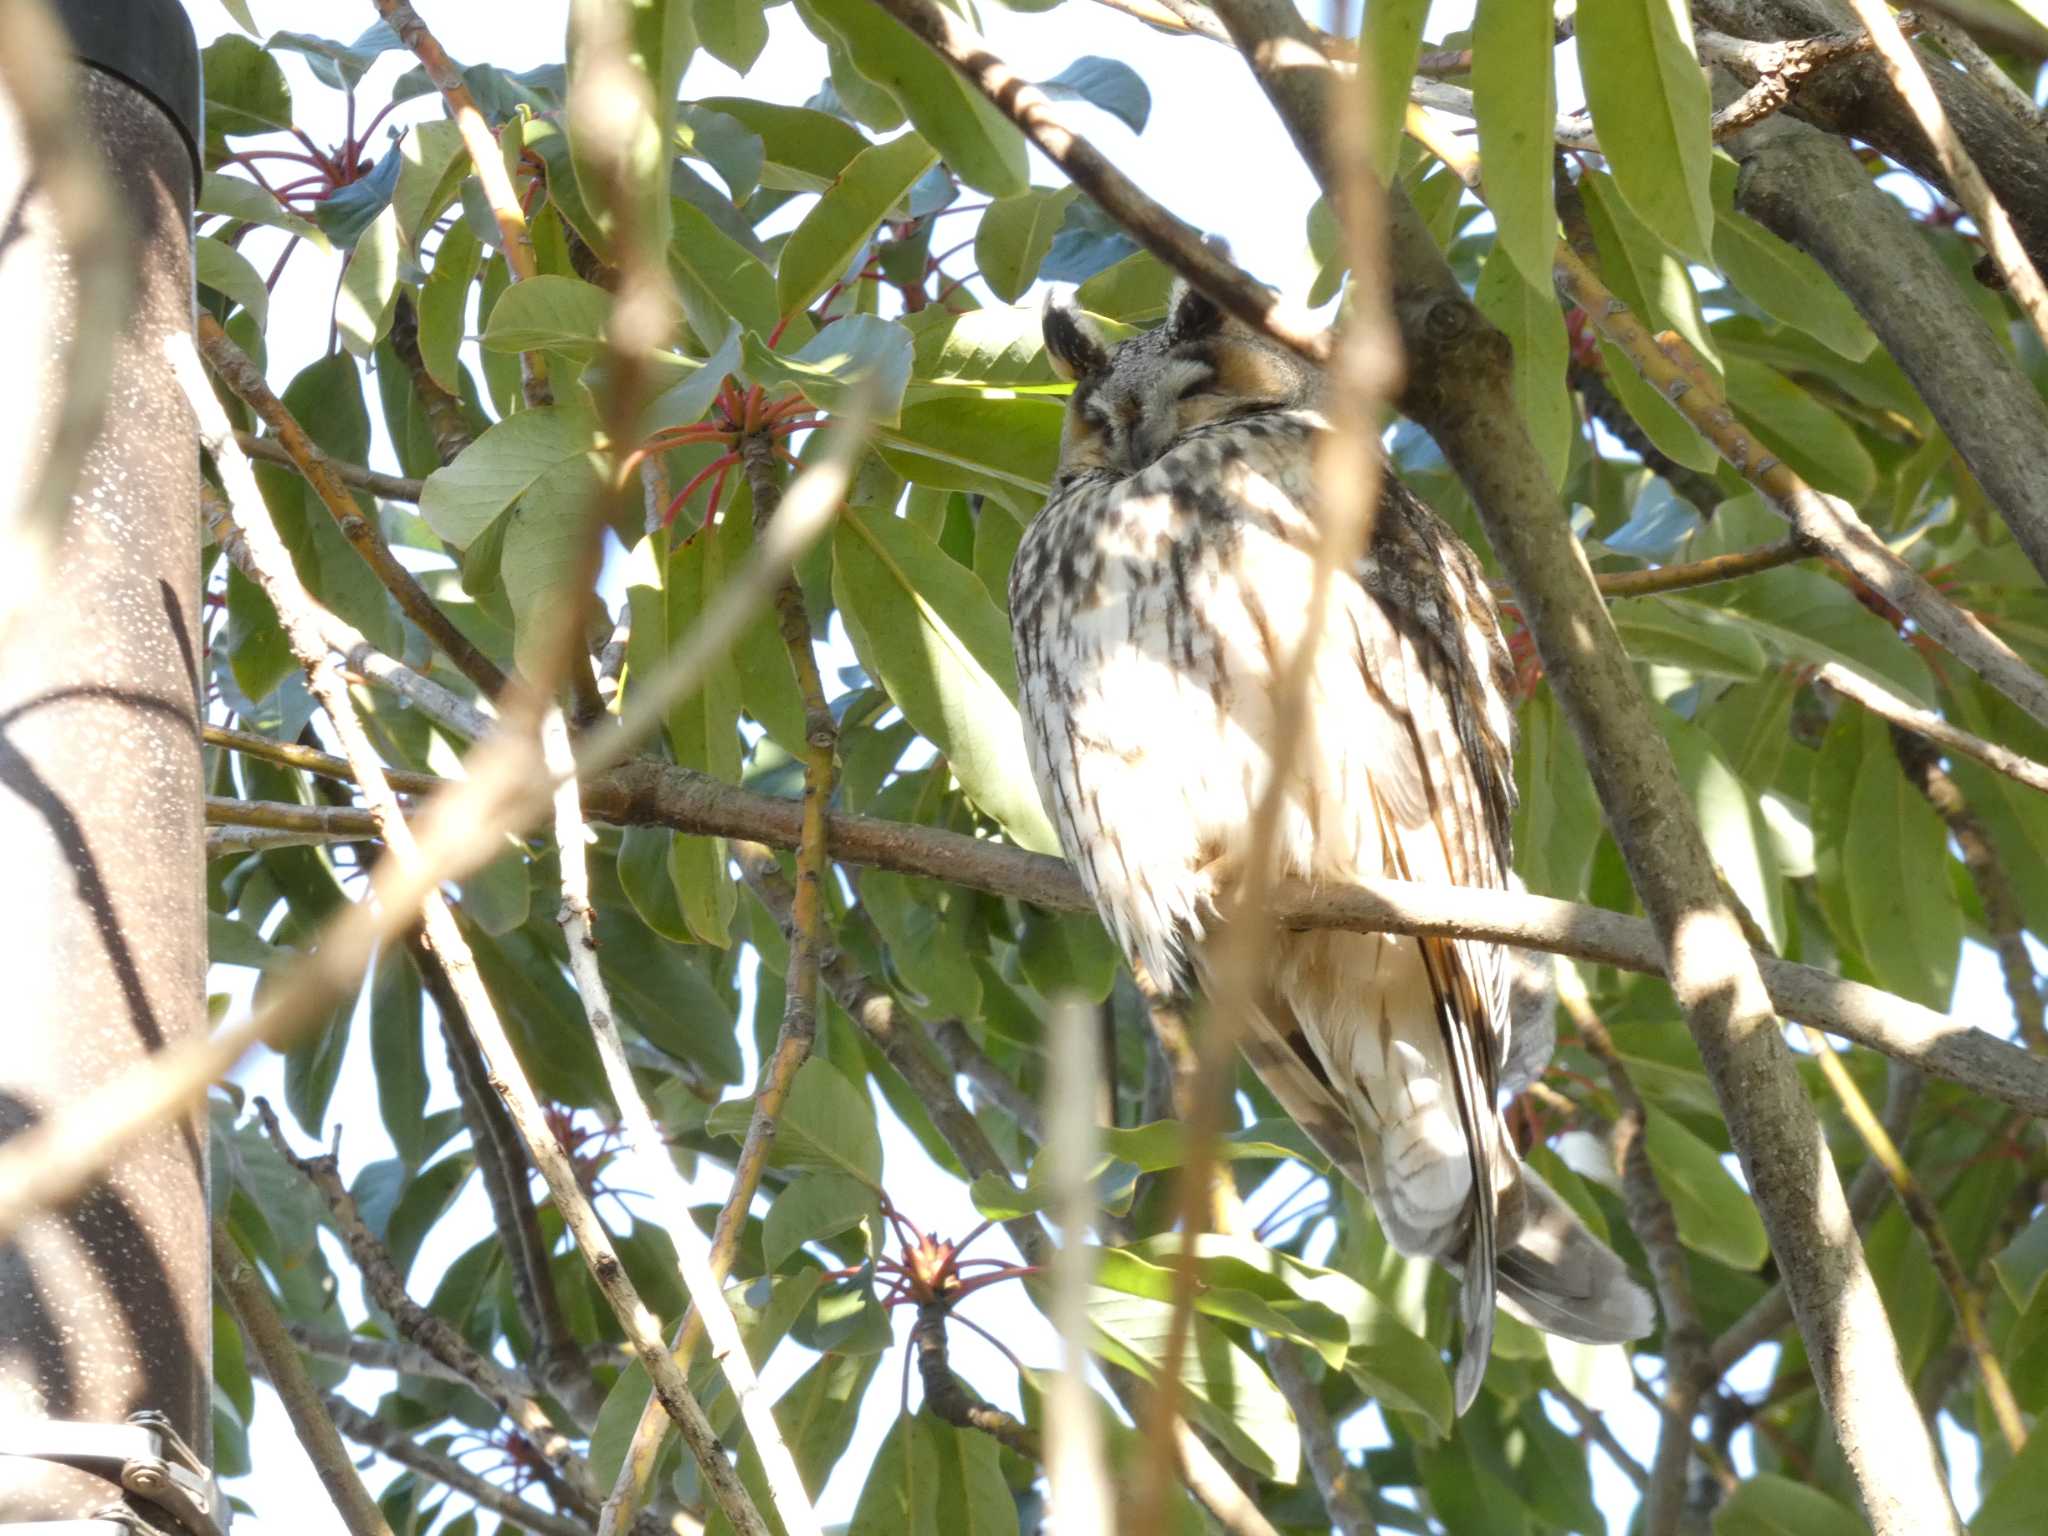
1214 154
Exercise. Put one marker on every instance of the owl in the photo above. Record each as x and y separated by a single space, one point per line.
1153 602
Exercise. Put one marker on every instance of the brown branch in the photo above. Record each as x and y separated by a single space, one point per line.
291 754
969 1060
1702 573
1342 1485
487 160
952 1399
310 1418
1703 491
1593 1427
799 1028
395 1444
1650 1217
2002 915
385 1286
445 418
1924 722
327 822
233 367
1172 240
390 487
1461 389
1774 69
395 1355
501 1168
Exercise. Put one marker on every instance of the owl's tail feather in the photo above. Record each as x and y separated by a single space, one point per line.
1557 1276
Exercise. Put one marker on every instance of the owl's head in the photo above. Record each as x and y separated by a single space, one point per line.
1132 399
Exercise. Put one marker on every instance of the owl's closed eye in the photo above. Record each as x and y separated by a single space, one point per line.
1133 399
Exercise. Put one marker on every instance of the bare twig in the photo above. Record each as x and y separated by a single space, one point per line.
1883 702
1593 1425
391 487
990 1081
953 1400
399 1356
235 369
1702 573
443 411
290 754
1775 70
1909 77
324 823
1145 220
258 1316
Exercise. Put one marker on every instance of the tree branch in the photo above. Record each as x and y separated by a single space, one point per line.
952 1399
253 1308
1811 191
234 369
1925 723
1341 1484
390 487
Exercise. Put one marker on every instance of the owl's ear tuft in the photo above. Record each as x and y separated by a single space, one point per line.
1073 342
1191 314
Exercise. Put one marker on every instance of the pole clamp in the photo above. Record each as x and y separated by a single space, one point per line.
145 1457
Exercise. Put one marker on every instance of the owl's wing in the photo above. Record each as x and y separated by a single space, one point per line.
1443 808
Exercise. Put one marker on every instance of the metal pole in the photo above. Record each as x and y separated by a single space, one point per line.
105 1304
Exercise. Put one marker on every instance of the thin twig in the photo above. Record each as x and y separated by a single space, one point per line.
1702 573
235 369
1341 1484
390 487
396 1445
399 1356
324 822
969 1060
310 1418
1909 78
1883 702
1593 1425
489 163
953 1400
1775 69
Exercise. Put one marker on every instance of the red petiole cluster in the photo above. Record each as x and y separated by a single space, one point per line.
735 416
327 170
931 1271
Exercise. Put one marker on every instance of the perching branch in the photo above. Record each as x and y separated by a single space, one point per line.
1462 390
234 368
398 1356
952 1399
1703 573
253 1308
1774 69
1341 1484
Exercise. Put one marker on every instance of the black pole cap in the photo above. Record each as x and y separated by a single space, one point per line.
149 44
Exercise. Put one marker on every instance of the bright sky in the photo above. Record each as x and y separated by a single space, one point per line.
1211 152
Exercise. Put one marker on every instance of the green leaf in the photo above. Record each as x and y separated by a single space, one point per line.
1533 324
1782 280
861 354
219 266
981 146
229 942
1643 269
2012 1504
933 967
1676 632
1514 92
814 1206
805 149
1062 952
1650 106
354 207
709 263
369 286
1883 860
1002 348
1390 34
821 249
1014 235
1134 290
432 165
499 896
1007 449
337 64
556 314
827 1123
444 305
1109 84
724 143
1660 420
546 451
923 625
245 88
1227 1391
1765 1504
1796 427
1288 1317
249 203
1715 1216
732 31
